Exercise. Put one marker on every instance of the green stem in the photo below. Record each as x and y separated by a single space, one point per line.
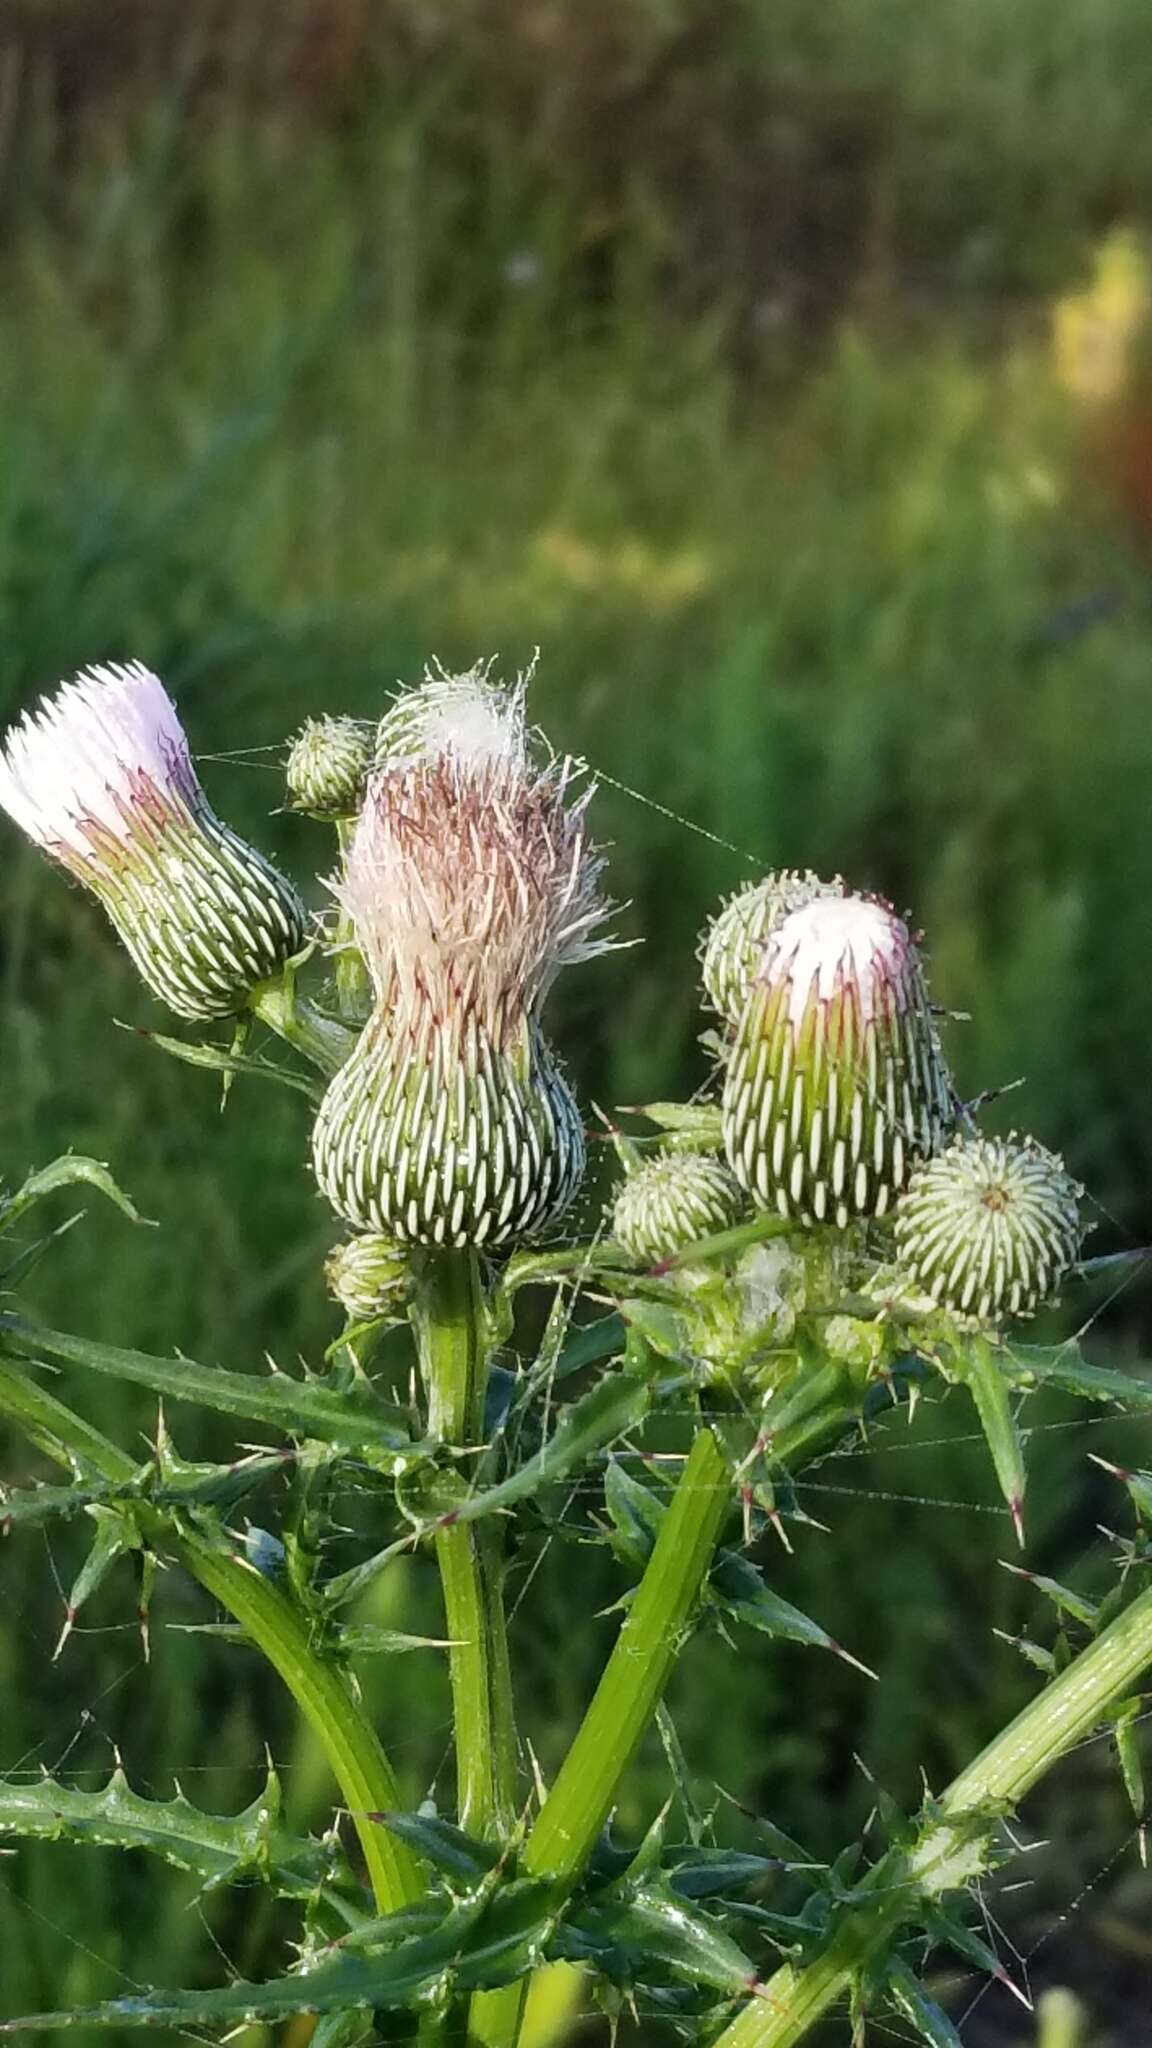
449 1316
353 983
635 1675
359 1764
948 1853
321 1039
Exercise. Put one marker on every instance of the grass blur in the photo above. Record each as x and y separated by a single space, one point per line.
782 383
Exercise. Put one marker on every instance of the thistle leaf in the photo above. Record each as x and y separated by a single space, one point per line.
446 1847
1127 1742
231 1063
624 1938
977 1366
1065 1601
914 2005
1065 1367
480 1941
71 1168
354 1417
216 1848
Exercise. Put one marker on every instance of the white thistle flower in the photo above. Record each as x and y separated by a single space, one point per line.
835 1084
100 775
990 1227
470 883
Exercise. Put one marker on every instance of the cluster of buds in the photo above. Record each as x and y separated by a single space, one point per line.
469 883
101 777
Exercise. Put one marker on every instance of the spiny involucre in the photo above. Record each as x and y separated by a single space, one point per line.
100 775
671 1201
835 1084
990 1227
470 883
732 944
327 767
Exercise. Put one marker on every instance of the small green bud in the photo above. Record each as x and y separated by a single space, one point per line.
732 946
671 1201
369 1276
990 1227
327 767
835 1083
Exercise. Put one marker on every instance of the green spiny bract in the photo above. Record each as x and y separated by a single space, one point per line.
990 1227
469 884
369 1275
732 945
101 777
672 1200
835 1084
327 767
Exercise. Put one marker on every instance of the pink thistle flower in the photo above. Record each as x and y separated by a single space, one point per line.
100 776
470 883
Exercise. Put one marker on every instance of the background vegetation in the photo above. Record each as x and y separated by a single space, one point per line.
778 372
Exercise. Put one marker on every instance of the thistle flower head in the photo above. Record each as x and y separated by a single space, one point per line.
990 1226
369 1276
835 1083
732 945
101 777
672 1200
470 880
470 883
327 767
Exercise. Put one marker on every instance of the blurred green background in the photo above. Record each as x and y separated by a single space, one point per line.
780 372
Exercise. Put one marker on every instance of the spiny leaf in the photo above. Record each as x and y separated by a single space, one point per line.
298 1407
448 1848
698 1124
65 1172
1087 1612
624 1938
231 1063
741 1592
1125 1721
115 1535
215 1848
1064 1366
480 1941
1139 1485
914 2005
978 1367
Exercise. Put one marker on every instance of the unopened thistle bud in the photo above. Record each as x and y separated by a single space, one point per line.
327 767
990 1227
469 883
732 945
835 1085
101 777
369 1276
672 1200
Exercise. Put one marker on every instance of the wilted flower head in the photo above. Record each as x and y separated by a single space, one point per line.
990 1227
101 777
327 767
835 1084
672 1200
470 883
732 945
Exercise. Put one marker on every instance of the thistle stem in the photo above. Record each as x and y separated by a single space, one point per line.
449 1318
359 1764
946 1856
322 1040
636 1673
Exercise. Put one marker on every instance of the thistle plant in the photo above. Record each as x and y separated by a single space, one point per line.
821 1233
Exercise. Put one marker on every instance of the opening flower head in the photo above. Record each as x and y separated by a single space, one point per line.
835 1084
990 1227
100 775
470 882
